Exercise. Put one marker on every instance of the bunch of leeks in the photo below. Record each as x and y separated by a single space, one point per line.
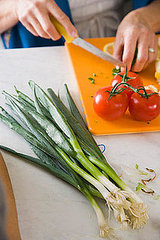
65 147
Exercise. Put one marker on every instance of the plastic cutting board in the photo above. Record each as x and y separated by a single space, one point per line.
84 65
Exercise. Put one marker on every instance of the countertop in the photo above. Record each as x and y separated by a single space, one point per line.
49 209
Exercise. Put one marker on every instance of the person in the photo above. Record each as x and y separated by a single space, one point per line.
138 29
27 23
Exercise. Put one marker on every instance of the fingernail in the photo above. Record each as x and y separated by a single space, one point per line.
74 34
122 69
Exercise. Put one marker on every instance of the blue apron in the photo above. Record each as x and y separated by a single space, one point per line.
19 37
140 3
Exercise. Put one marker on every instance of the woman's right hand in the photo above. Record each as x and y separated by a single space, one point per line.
35 16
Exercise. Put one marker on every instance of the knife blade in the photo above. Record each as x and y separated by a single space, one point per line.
86 45
96 51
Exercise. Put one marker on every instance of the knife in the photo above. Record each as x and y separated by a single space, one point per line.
86 45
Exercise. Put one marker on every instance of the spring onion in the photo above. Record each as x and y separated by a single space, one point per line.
47 163
137 204
52 129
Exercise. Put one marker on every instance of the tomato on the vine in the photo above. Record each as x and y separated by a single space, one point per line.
110 108
136 82
144 109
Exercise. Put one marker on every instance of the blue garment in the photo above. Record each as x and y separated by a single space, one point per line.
20 37
140 3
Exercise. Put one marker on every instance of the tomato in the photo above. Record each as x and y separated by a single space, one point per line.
111 109
136 82
144 109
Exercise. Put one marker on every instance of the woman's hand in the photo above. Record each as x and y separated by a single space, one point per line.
135 31
35 16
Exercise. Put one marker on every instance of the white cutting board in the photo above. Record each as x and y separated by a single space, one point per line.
48 208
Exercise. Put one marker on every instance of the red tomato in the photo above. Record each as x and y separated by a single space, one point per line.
144 109
136 82
111 109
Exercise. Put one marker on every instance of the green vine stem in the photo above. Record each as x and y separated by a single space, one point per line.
116 91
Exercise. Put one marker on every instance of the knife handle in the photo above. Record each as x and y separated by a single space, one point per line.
61 30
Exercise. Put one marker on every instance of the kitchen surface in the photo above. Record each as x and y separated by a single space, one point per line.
47 207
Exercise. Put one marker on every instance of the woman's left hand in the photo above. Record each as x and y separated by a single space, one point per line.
134 32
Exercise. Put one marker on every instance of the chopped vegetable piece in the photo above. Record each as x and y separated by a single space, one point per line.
144 188
93 81
157 197
140 186
90 78
115 71
137 166
150 179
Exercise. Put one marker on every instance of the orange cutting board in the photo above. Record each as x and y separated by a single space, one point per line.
84 65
